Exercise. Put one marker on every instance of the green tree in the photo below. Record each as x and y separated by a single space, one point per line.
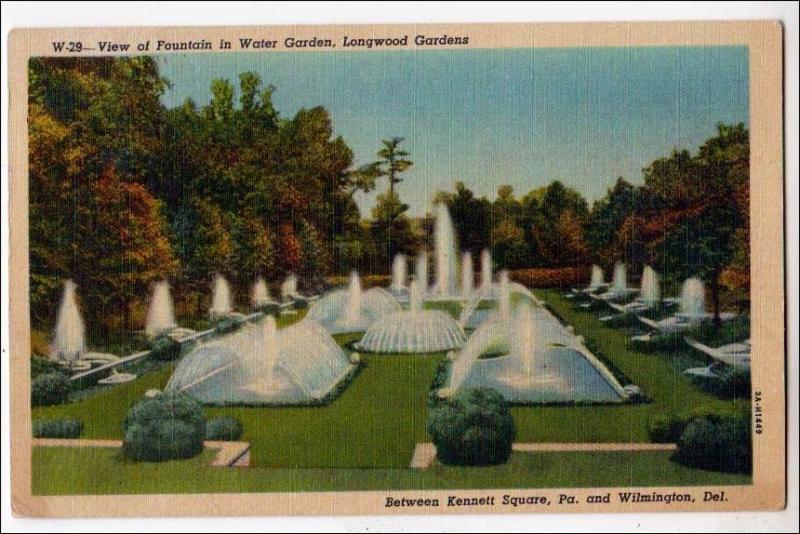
394 161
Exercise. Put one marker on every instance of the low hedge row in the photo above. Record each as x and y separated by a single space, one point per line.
560 277
57 428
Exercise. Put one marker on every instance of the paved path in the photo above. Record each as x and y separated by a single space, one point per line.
425 453
229 453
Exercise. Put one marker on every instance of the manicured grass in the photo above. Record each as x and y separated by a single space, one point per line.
96 471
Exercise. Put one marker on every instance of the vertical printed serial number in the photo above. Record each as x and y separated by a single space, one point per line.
68 46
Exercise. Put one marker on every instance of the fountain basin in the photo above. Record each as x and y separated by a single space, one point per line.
560 374
233 369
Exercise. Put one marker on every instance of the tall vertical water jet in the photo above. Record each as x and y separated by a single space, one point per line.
399 272
597 277
693 298
523 336
467 275
486 271
444 237
260 294
421 271
415 298
620 282
352 310
650 292
270 347
289 288
221 297
68 337
504 296
160 313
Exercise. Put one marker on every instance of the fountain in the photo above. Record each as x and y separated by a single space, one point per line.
531 357
467 275
650 292
414 330
352 309
421 271
597 278
445 252
523 338
257 364
693 298
260 295
620 282
399 273
504 296
68 337
486 271
160 314
289 288
221 298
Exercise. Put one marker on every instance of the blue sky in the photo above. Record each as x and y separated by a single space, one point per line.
522 117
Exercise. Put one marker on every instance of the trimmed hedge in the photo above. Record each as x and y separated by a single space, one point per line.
57 428
50 388
719 444
164 348
166 427
223 429
473 428
560 277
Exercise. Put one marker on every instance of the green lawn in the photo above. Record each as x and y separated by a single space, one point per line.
96 471
379 418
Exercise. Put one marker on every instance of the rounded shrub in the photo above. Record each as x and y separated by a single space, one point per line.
721 444
57 428
166 427
223 429
50 388
474 427
300 303
165 348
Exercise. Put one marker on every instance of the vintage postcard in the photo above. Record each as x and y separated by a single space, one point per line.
501 268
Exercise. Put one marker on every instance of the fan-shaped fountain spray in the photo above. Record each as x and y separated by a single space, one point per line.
444 237
467 275
221 297
260 295
68 337
650 292
160 313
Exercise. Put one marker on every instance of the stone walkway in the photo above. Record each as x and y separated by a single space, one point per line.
425 453
229 453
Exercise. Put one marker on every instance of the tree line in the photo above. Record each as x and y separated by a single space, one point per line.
125 191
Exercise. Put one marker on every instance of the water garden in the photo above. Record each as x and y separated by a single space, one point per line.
207 290
356 378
